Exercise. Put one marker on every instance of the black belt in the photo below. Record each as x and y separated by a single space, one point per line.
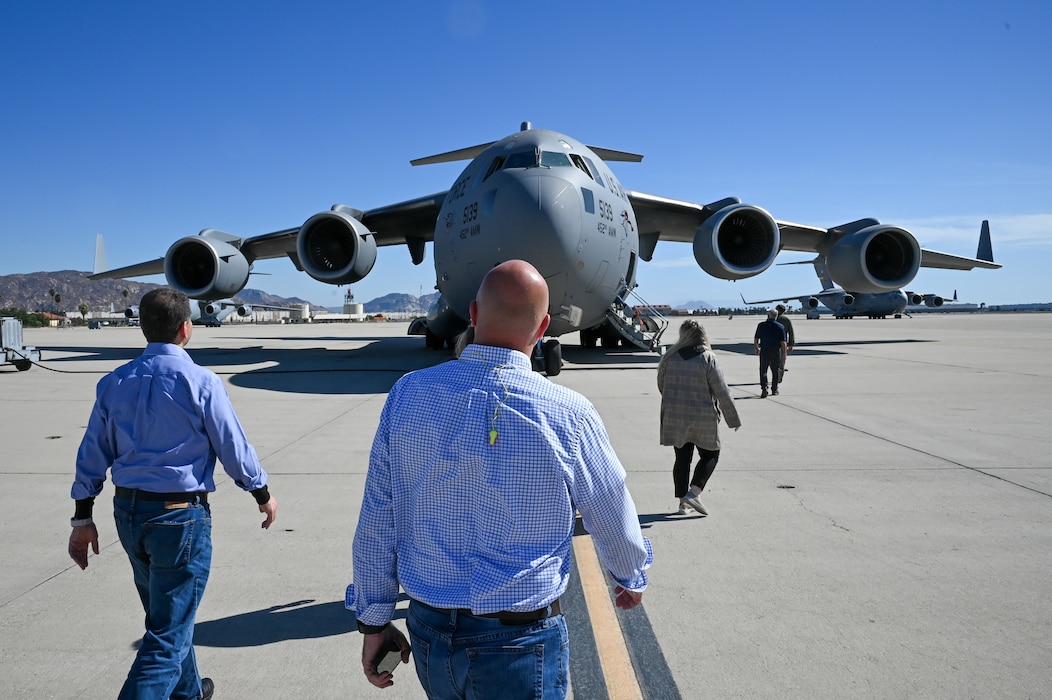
174 497
507 617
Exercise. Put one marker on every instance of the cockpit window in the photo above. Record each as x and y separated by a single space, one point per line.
579 162
552 159
494 167
595 171
522 159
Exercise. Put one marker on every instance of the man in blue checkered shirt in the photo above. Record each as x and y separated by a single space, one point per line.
477 470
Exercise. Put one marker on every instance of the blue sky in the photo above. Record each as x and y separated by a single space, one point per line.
148 121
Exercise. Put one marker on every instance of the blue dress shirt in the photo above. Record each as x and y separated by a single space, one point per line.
158 424
476 471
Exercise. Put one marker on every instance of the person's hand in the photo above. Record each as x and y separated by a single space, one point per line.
626 599
375 647
270 509
79 540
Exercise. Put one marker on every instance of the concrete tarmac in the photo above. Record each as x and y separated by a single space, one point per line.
881 529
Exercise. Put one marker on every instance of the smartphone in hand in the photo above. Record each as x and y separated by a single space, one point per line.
390 661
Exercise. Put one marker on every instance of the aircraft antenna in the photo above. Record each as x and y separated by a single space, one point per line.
526 126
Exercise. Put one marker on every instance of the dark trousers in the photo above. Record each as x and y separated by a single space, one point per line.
681 469
770 360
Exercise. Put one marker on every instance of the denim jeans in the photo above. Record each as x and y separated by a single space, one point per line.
170 553
471 658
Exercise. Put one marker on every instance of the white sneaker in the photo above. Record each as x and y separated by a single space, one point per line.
695 503
682 508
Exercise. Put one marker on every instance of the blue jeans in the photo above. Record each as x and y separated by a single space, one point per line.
170 552
471 658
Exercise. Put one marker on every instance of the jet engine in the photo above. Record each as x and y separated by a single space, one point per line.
335 247
206 267
811 303
736 242
211 309
914 299
875 259
933 301
848 300
243 310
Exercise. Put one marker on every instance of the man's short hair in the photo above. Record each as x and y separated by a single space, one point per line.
772 313
780 308
161 313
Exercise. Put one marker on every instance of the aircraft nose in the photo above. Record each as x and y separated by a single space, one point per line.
538 215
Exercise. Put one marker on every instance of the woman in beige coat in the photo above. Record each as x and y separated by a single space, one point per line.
693 393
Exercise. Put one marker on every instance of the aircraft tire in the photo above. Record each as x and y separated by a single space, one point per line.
553 357
23 365
588 338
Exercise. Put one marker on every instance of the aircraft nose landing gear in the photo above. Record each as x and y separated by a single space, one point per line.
548 357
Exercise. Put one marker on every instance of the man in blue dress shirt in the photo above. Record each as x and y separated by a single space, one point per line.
158 425
476 472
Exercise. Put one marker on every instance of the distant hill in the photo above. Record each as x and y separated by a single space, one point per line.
33 292
696 305
58 292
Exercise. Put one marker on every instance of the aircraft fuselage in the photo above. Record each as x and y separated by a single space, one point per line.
548 199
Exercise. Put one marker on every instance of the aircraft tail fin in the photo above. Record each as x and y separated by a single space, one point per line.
100 255
986 249
823 273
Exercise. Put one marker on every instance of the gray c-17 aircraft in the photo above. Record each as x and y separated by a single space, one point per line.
847 304
544 197
212 313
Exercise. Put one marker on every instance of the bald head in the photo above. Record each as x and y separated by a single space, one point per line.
772 313
511 307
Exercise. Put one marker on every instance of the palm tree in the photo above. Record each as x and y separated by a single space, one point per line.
83 309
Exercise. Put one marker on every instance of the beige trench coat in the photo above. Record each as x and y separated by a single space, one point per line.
690 389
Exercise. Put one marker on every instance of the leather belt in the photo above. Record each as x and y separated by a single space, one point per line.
174 497
510 618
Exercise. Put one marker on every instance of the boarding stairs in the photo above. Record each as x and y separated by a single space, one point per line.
638 326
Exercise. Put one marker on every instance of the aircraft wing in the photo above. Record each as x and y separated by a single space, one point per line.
795 297
662 218
411 222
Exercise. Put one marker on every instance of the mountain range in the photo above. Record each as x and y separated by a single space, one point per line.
66 290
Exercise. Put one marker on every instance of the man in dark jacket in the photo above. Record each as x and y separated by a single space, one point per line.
770 343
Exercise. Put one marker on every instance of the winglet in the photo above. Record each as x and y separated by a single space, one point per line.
100 255
986 249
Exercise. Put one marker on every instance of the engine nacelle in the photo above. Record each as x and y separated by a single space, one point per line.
131 312
914 299
203 267
933 301
736 242
875 259
336 248
211 309
243 310
811 303
848 300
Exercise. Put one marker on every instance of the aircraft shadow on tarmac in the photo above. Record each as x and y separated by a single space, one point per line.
827 348
302 619
374 367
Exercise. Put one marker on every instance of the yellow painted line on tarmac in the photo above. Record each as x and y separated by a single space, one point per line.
621 683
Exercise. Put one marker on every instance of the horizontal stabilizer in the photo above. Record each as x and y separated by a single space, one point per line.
453 156
622 156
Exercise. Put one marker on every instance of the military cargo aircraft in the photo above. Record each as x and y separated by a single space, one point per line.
848 304
544 197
